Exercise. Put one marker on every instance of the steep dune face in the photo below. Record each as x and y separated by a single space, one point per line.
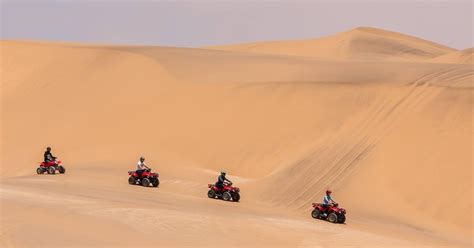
393 157
392 139
459 57
359 43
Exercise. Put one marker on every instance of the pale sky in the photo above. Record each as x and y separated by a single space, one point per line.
210 22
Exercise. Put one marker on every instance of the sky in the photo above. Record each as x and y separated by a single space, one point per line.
196 23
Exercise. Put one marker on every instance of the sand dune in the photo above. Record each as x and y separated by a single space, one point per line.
358 43
393 139
459 57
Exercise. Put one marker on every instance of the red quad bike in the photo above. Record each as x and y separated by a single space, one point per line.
226 193
145 179
51 167
333 213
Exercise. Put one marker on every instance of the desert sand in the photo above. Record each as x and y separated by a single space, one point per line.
381 118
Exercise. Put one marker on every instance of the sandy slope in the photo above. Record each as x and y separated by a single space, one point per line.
459 57
392 139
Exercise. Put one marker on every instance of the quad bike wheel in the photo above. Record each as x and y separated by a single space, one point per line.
332 217
61 169
341 218
315 213
236 197
211 194
51 170
146 182
226 196
132 180
155 182
39 171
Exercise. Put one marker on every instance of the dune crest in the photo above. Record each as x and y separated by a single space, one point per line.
359 43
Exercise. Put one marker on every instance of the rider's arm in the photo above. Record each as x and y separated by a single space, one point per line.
144 165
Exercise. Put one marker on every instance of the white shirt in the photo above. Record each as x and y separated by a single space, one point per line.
141 165
327 199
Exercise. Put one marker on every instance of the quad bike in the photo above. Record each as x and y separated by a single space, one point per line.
145 179
51 167
333 213
227 193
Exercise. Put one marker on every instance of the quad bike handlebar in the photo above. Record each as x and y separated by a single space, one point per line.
147 170
55 160
335 204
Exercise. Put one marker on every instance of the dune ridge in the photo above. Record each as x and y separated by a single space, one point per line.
360 43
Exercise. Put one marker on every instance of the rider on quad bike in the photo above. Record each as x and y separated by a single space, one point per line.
143 175
50 164
329 210
223 189
141 166
48 156
327 200
221 180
